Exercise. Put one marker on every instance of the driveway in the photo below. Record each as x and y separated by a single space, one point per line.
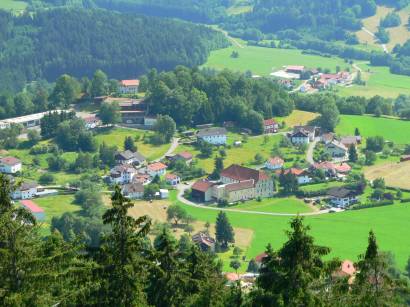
171 149
309 153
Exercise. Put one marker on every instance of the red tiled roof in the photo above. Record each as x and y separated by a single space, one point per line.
202 185
232 276
269 122
295 67
294 171
10 161
276 161
240 173
170 176
185 155
32 206
133 82
346 269
343 168
324 165
260 257
157 166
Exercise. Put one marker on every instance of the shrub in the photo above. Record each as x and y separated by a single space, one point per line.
46 178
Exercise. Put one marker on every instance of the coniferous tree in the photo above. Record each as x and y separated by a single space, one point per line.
129 144
353 153
224 231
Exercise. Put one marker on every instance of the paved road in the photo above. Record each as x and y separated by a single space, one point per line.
309 153
171 149
374 36
181 188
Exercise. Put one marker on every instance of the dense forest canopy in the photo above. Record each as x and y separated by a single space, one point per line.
77 41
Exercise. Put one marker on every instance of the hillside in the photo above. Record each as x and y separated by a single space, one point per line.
78 42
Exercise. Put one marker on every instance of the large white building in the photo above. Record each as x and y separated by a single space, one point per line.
129 86
122 174
156 169
214 135
10 165
26 190
342 198
27 121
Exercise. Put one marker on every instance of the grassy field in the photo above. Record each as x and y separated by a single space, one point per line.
346 233
297 118
394 130
263 61
379 81
398 35
13 5
245 154
321 186
117 136
239 7
276 205
56 206
395 174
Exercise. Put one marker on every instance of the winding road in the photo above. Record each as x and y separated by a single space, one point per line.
180 196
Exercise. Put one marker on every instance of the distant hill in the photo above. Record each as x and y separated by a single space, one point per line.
49 43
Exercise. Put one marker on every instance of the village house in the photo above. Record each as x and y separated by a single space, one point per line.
235 192
172 179
122 174
92 122
295 69
133 190
327 138
26 190
133 111
301 175
205 242
274 163
34 209
342 197
336 149
10 165
346 270
214 135
332 170
129 157
142 178
351 140
182 156
303 135
202 191
156 169
270 126
129 86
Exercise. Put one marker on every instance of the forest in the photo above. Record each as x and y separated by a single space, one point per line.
49 43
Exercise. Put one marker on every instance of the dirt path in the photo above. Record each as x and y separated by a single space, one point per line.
384 47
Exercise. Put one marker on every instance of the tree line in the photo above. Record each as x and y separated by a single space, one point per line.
127 268
48 43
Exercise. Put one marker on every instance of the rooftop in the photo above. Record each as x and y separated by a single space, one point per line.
212 131
133 82
276 160
241 173
157 166
11 161
341 192
238 186
202 185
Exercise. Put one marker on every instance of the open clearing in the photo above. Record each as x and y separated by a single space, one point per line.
263 61
297 118
398 35
395 174
13 5
116 137
395 130
277 205
157 211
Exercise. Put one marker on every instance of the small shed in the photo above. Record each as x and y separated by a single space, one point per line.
164 193
31 206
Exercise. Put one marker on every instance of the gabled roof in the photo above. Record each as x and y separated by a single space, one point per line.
276 161
300 133
269 122
203 238
27 186
343 168
338 145
128 155
341 192
295 67
157 166
260 257
118 169
171 177
10 161
213 131
309 129
241 173
185 155
294 171
326 165
31 206
133 82
238 186
135 187
202 185
350 140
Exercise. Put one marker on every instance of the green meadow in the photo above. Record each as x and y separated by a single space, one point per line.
275 205
13 5
263 61
345 233
395 130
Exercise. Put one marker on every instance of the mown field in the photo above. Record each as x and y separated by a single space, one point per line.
297 118
395 174
275 205
13 5
345 233
394 130
263 61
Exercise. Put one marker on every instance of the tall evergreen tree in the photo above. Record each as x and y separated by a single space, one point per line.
353 153
223 229
129 144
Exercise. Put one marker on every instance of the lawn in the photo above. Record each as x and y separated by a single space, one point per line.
321 186
297 118
345 233
379 81
244 154
116 137
263 61
13 5
394 130
55 206
275 205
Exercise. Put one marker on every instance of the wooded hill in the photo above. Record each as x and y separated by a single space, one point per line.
48 43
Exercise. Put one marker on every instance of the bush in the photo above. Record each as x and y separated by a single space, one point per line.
374 205
46 178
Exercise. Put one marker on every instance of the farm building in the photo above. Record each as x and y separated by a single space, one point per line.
129 86
31 206
10 165
215 136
